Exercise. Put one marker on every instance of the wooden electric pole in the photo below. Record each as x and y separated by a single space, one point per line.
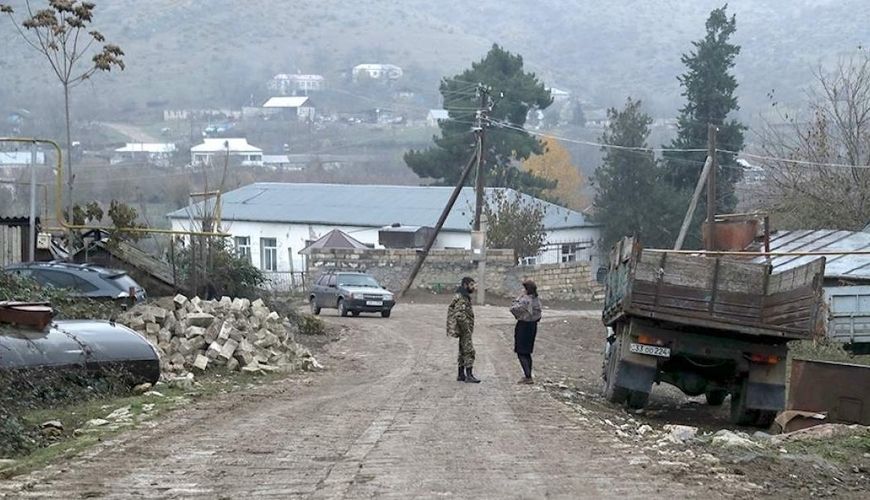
711 187
479 184
480 178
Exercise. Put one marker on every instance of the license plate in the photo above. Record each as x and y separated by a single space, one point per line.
374 303
651 350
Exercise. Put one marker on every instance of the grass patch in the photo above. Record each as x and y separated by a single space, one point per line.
42 449
843 450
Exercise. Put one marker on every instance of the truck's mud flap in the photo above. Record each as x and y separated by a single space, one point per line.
760 396
635 377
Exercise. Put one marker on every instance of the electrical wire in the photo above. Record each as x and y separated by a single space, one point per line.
591 143
794 162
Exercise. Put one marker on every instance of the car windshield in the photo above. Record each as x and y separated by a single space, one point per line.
361 280
124 282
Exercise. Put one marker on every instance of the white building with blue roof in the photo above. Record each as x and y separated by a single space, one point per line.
272 222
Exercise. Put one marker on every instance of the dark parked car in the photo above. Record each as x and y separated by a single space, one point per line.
350 292
82 280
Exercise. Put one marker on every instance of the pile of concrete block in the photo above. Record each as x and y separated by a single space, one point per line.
236 333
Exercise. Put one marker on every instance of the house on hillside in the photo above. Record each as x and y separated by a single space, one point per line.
596 118
290 108
559 95
295 85
436 115
151 152
272 222
377 71
214 149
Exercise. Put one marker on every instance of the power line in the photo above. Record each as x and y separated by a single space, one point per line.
795 162
591 143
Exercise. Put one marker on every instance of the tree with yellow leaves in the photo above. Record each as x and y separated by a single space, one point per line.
555 164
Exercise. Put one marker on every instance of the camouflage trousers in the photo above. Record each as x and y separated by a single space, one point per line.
466 351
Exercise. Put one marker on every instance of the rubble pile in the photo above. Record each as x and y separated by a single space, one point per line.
236 333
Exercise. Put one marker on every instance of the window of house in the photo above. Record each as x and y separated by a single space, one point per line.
569 252
529 261
243 247
268 254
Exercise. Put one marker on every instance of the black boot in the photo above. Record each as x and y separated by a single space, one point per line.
470 378
461 376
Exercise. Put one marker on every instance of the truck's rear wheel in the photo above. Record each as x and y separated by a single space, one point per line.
612 392
765 418
637 399
716 397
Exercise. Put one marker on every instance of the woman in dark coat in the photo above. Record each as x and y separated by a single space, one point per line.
527 310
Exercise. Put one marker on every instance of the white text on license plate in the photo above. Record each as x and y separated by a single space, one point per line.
662 352
374 303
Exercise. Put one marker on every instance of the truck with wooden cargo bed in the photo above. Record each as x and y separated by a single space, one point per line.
715 326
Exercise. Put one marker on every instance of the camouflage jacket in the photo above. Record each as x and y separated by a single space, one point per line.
460 314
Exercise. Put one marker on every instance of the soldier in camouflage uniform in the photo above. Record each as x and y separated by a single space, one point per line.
460 324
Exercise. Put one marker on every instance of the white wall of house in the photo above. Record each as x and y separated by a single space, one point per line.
248 159
563 245
570 245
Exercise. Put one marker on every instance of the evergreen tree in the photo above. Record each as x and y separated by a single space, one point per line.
631 197
514 93
709 89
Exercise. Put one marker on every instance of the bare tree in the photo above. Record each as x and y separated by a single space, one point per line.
61 33
809 191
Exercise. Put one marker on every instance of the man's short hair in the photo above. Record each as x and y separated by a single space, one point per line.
466 280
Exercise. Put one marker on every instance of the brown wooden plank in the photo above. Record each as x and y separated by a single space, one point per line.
797 277
698 272
697 305
724 298
749 329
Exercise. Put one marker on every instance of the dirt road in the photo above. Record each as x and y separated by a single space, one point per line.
133 133
386 419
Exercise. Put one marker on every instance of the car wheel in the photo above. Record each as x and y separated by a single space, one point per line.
342 308
385 314
315 309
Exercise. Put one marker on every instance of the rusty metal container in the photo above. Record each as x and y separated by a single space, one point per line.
842 390
732 234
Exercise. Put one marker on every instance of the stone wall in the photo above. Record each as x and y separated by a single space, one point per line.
443 270
566 281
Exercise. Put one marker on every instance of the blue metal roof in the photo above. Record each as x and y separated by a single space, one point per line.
364 206
824 240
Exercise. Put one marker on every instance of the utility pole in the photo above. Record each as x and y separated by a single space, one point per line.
687 220
480 180
31 243
711 187
479 189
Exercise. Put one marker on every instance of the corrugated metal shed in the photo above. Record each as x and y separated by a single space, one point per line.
365 206
856 267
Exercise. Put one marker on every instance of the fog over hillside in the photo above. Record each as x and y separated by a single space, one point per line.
219 52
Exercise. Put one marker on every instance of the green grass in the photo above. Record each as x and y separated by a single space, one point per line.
841 449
